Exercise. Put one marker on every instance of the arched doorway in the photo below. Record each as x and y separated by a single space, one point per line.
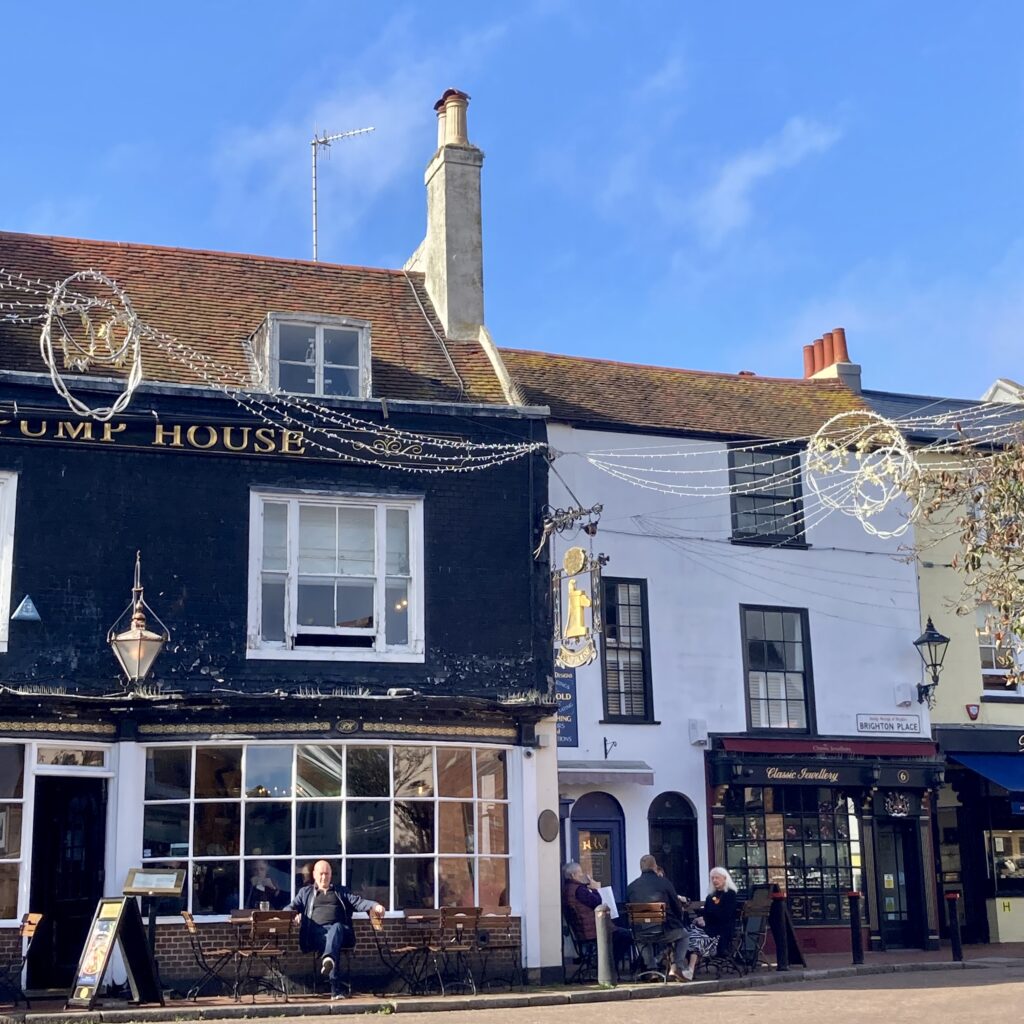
599 840
672 828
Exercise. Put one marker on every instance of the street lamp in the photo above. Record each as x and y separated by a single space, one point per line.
931 645
136 647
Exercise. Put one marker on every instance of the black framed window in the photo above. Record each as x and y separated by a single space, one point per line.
777 663
626 661
767 503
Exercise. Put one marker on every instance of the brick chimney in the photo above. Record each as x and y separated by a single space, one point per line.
827 357
451 254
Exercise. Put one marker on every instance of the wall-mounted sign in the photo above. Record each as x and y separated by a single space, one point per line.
565 696
576 597
890 725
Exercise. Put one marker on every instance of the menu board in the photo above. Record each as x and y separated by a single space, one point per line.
117 920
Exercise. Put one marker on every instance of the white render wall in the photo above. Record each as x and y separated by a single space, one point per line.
860 595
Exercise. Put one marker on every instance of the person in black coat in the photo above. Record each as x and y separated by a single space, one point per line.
323 913
714 928
653 887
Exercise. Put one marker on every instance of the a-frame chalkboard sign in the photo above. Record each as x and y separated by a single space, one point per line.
117 919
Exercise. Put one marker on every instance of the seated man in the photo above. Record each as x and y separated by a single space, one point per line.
653 887
581 896
324 915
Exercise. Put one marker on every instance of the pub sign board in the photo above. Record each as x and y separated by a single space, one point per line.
565 696
117 920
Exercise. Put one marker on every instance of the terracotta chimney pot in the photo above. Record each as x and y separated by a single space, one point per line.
827 349
839 344
819 355
808 360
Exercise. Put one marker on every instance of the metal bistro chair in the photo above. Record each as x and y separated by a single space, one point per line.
584 957
459 927
496 938
212 962
11 971
647 922
268 941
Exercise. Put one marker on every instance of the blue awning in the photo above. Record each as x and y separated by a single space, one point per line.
1006 770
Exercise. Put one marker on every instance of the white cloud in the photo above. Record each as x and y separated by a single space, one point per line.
727 204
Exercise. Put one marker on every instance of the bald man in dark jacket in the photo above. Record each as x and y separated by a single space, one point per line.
653 887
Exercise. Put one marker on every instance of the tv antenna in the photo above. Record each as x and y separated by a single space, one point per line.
325 140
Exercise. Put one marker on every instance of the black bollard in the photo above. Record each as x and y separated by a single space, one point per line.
952 898
856 935
780 936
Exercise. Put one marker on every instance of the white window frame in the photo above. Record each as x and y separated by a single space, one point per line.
8 503
258 648
319 321
987 642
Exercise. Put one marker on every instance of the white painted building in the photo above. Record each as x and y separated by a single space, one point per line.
819 784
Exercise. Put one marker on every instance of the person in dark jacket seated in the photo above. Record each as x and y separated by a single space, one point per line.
714 928
581 896
323 913
653 887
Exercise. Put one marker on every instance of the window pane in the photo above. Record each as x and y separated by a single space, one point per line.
268 771
414 826
490 774
397 563
268 881
275 535
493 829
773 625
371 879
216 829
316 604
318 828
356 541
77 756
342 382
414 771
355 604
793 626
754 621
368 771
268 827
272 610
215 887
455 827
297 342
341 346
369 826
455 882
414 883
168 773
218 772
493 882
396 618
12 769
296 380
165 830
318 771
454 771
318 539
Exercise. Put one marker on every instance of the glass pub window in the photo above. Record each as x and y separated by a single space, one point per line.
407 825
805 839
626 657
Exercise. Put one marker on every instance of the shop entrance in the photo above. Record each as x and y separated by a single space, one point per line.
900 892
598 840
672 831
68 834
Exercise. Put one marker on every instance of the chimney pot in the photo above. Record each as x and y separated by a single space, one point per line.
808 360
819 354
455 104
746 373
839 344
827 349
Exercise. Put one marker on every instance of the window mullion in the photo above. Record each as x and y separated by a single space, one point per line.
291 593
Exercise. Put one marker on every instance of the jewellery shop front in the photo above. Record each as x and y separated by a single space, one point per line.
819 818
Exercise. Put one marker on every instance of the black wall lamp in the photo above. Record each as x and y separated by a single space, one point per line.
931 645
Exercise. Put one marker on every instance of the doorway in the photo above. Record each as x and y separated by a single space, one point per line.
69 832
672 831
900 890
598 840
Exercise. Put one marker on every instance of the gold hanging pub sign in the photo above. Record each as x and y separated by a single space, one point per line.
576 589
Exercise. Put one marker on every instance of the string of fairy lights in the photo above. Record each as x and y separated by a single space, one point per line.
859 463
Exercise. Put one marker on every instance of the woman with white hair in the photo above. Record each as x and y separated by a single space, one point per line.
713 929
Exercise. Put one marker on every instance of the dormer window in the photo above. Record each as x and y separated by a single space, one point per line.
311 354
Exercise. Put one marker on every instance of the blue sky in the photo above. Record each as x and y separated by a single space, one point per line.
700 185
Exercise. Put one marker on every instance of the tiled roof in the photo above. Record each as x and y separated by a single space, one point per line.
606 393
212 301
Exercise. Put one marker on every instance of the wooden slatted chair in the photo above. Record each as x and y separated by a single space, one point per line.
11 972
459 927
268 942
647 922
496 938
211 962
